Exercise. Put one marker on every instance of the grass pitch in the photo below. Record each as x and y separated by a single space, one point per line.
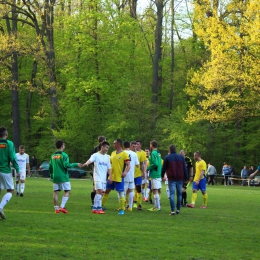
228 229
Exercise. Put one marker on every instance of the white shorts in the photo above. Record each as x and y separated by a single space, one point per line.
156 184
129 185
98 185
21 177
61 186
6 181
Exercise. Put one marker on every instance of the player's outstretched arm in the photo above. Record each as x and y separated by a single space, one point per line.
251 176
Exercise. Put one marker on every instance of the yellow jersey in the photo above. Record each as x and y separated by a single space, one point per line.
118 163
200 166
141 158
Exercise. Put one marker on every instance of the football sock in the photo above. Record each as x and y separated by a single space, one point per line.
98 201
167 191
122 203
184 197
22 187
139 198
135 196
150 195
205 199
17 187
156 201
92 195
5 199
56 207
193 198
104 199
131 198
64 201
143 192
147 193
127 198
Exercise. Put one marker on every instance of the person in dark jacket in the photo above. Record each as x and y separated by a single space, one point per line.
175 167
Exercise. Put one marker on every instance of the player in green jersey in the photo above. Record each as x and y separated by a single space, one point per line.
7 156
59 164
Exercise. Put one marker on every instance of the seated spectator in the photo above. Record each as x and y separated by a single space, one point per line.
244 175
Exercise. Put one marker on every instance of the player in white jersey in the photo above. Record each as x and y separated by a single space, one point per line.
129 178
102 167
23 162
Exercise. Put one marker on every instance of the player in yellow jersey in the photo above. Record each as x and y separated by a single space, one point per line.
120 163
139 175
199 182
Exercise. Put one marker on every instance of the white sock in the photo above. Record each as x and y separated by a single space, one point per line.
95 205
131 199
157 201
147 193
64 201
99 201
143 193
17 187
167 191
56 207
5 199
22 187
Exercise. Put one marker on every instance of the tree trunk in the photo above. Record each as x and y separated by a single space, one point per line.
172 61
50 55
157 76
14 82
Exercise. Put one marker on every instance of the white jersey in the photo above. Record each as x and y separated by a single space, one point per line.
101 166
22 160
133 163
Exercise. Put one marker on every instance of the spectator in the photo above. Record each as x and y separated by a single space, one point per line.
34 167
250 171
211 172
232 173
244 175
226 173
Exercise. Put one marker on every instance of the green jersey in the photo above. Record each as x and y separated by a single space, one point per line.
7 156
155 165
59 164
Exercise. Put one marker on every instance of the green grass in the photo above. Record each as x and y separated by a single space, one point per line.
228 229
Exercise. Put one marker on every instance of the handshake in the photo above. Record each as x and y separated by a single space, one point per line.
80 165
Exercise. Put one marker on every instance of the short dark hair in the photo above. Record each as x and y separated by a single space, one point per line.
198 153
59 144
133 142
21 147
172 148
154 144
3 131
119 141
105 143
139 141
146 148
101 139
126 144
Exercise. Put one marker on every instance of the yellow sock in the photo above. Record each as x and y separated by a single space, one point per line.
205 199
127 199
122 203
104 199
150 195
135 196
139 198
193 198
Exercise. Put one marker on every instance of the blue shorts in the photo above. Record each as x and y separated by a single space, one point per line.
201 186
118 186
138 180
